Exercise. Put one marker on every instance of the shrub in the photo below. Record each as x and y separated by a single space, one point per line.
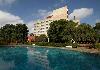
97 45
42 43
42 38
28 43
58 44
51 44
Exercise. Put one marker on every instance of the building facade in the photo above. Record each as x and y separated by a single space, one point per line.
41 26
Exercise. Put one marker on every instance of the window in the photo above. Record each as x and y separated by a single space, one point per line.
67 12
67 16
46 24
42 25
46 27
41 28
46 21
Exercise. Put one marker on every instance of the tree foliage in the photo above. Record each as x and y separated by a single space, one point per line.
42 38
97 30
69 31
85 34
13 33
63 31
97 26
21 32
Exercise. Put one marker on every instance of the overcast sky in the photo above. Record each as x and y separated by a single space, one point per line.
25 11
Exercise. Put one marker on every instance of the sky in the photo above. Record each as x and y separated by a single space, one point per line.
27 11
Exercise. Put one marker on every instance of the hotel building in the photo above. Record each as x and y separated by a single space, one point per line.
41 26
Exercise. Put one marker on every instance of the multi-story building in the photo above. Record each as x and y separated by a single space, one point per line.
41 26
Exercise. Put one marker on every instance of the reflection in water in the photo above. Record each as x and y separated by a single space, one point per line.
71 60
6 65
36 58
13 59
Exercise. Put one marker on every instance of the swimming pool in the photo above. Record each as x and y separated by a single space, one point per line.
39 58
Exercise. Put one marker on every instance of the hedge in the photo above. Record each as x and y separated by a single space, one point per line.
51 44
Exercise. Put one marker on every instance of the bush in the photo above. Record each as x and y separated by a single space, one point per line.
28 43
58 44
42 38
42 43
51 44
97 45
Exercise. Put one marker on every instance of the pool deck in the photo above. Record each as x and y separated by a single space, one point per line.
82 49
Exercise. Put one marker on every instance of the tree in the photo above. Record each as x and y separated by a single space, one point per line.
85 34
11 33
54 32
21 32
42 38
97 29
61 31
7 33
69 31
97 26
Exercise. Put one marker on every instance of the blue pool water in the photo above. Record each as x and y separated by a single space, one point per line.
47 59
